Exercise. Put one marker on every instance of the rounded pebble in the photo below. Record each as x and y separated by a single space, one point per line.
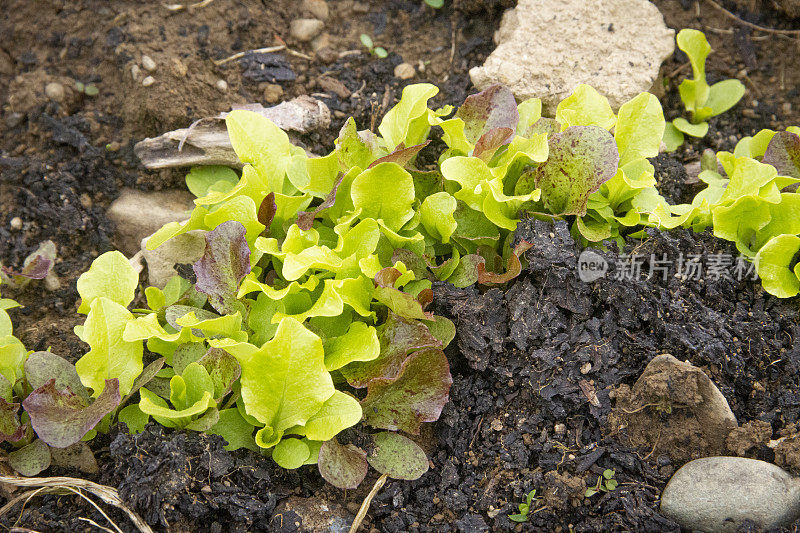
16 223
272 93
222 85
404 71
148 63
719 494
305 29
148 81
55 91
317 8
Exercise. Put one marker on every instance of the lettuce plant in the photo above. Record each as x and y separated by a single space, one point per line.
701 100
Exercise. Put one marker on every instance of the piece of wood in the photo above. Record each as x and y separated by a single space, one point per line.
206 141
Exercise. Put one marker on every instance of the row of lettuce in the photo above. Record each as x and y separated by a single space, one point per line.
305 331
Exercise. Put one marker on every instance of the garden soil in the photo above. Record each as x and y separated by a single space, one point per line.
538 366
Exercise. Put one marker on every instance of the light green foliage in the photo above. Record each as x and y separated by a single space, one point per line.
605 483
377 51
524 508
701 100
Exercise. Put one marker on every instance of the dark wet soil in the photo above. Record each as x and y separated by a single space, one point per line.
535 365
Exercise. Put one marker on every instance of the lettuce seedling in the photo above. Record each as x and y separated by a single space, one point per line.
701 100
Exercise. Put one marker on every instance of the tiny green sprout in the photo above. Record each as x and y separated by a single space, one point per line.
377 51
701 100
524 508
435 4
605 483
87 89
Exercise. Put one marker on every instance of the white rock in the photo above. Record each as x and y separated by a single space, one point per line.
404 71
148 81
305 29
16 223
138 214
317 8
148 63
186 248
546 48
55 91
717 494
221 85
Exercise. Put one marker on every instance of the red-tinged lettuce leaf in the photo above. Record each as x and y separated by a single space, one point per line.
397 456
36 266
413 262
78 456
30 460
344 467
467 271
306 218
513 267
490 141
581 159
387 276
401 155
417 395
10 428
425 298
550 126
397 301
224 264
398 337
41 367
267 210
224 370
783 153
62 418
492 108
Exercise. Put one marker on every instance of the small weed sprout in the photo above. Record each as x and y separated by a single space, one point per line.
524 508
377 51
89 89
605 483
435 4
701 100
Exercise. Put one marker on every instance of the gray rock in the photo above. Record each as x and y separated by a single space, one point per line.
185 248
717 494
305 29
311 515
545 48
138 214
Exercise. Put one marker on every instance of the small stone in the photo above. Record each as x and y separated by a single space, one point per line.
404 71
305 29
327 55
786 108
273 93
496 425
55 91
719 494
586 368
148 64
317 8
148 81
360 7
221 85
560 429
16 223
206 489
138 214
6 65
749 113
14 119
312 515
135 72
321 41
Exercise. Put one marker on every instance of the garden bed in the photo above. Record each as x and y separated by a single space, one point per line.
527 360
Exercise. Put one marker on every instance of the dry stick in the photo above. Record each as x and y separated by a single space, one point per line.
108 494
367 501
750 24
267 50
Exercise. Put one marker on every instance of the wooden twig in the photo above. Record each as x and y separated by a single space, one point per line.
239 55
362 512
750 24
